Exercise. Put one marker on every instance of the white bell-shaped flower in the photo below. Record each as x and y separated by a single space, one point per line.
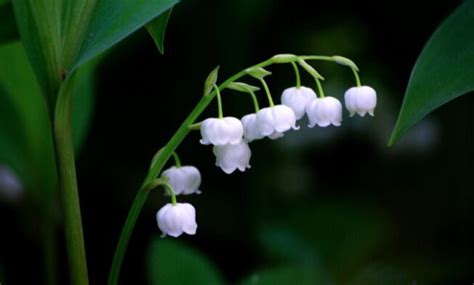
273 121
228 130
230 157
324 112
297 99
251 131
360 100
173 220
184 179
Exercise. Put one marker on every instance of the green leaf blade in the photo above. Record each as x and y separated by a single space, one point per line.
443 72
173 263
157 29
114 20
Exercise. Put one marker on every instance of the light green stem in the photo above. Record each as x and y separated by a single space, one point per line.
255 101
267 91
68 185
219 102
356 75
320 88
297 74
177 161
161 158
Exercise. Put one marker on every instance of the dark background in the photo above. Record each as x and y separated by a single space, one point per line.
367 213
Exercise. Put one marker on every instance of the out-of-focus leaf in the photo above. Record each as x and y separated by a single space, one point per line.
173 263
157 29
444 70
289 275
28 117
113 20
8 30
39 25
83 102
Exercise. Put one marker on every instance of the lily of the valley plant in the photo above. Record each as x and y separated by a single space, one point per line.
230 137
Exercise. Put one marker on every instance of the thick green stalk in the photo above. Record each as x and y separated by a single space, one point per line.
162 156
68 185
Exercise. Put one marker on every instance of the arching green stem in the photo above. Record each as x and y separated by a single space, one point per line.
356 75
219 102
297 74
320 88
267 91
255 101
161 158
177 161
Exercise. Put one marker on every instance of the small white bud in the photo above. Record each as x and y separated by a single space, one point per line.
274 121
360 100
251 131
230 157
324 112
184 180
297 99
173 220
228 130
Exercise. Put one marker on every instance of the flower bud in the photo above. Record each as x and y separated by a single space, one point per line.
274 121
324 112
360 100
184 180
228 130
251 131
173 220
230 157
297 99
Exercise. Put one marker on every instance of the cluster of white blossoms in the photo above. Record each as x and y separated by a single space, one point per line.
230 138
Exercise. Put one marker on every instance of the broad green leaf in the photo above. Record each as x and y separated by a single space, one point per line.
210 81
83 102
157 29
8 30
113 20
22 94
288 275
39 25
171 262
444 70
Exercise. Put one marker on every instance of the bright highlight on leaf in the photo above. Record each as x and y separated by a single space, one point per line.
444 70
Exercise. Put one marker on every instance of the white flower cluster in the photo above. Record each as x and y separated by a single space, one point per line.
230 138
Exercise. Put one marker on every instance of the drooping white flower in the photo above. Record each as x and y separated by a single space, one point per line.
251 131
360 100
324 112
297 99
273 121
173 220
184 179
230 157
228 130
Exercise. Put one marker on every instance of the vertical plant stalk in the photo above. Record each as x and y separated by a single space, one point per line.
68 186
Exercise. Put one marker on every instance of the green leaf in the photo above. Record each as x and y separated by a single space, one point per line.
444 70
258 72
171 262
210 81
242 87
39 25
28 115
113 20
157 29
310 69
288 275
8 30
